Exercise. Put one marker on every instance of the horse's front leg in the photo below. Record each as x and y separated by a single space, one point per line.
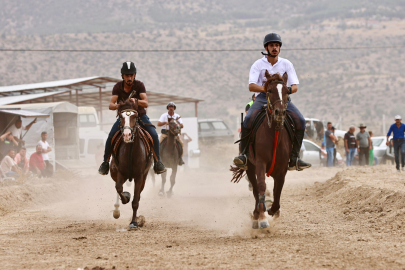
139 185
172 182
251 173
162 189
278 187
261 186
125 196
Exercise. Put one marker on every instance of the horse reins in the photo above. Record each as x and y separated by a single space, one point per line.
270 108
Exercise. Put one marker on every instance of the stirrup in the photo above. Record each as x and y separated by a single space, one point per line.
242 166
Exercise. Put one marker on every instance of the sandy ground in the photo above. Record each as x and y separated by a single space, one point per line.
330 218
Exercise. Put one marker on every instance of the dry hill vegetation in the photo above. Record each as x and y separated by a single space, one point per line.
357 85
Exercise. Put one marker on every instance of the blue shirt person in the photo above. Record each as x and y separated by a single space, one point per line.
398 129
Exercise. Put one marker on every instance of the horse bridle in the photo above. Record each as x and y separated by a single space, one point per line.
270 105
176 124
122 128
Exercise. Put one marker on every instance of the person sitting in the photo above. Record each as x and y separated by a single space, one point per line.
164 123
8 165
22 160
37 164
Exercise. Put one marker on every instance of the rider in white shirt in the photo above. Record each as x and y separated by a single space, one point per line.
273 64
164 123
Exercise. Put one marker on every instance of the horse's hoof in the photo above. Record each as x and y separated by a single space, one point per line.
161 194
255 224
116 214
141 221
127 196
274 214
169 194
133 225
263 224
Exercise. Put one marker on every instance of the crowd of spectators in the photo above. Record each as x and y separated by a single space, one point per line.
14 159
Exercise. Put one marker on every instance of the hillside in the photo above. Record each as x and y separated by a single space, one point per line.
356 85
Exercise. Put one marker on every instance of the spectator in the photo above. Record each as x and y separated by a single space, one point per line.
399 141
334 148
330 144
8 165
249 104
7 142
363 141
372 157
22 160
45 150
17 128
350 145
185 139
37 164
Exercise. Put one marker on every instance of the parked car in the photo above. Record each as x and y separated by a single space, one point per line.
381 151
389 151
214 131
312 154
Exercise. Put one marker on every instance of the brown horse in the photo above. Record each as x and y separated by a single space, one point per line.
133 159
170 155
272 151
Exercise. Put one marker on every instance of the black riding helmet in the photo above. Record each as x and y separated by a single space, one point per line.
128 68
272 37
171 103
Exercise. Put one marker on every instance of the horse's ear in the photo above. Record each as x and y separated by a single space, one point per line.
285 77
178 118
267 74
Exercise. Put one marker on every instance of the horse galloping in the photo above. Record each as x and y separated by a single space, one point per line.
170 155
271 151
132 160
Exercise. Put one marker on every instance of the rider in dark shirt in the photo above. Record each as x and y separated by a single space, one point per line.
121 93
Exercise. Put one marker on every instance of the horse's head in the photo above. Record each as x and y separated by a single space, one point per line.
174 126
128 113
277 96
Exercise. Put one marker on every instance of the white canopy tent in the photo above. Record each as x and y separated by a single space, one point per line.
61 125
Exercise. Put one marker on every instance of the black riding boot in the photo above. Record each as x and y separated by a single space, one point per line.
159 167
241 160
295 162
104 168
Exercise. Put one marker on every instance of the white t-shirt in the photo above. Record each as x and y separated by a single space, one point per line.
165 118
16 132
7 163
259 68
45 146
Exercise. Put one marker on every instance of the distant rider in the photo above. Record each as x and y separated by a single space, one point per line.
120 93
250 103
399 141
164 123
273 64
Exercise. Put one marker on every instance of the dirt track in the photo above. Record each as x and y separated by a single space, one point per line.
354 220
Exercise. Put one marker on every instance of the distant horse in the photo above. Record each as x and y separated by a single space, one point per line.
272 146
132 160
170 155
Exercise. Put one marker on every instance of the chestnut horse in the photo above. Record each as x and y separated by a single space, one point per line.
272 151
134 159
170 155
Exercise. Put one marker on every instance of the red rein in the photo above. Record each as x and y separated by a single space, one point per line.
274 155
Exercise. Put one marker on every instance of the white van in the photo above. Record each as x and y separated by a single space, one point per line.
92 147
88 120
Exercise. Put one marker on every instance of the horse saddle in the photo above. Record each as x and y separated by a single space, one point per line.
144 136
258 118
164 143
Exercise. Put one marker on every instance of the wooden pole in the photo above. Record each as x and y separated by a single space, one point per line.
77 98
196 109
100 105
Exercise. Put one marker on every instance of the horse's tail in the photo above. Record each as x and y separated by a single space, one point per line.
237 174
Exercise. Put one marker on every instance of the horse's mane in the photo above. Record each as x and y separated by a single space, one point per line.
128 104
274 77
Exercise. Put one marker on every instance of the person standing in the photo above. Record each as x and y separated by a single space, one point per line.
45 150
330 143
398 129
372 157
350 145
363 141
